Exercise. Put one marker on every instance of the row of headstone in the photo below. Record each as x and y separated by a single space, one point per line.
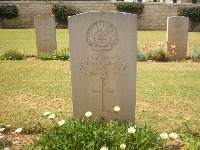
103 48
103 55
177 35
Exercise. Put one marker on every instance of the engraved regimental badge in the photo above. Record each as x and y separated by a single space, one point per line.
102 36
178 23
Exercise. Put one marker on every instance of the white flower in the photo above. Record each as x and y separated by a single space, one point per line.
173 46
51 116
88 114
131 130
116 109
173 135
61 122
104 148
123 146
15 142
47 113
9 125
164 135
2 129
19 130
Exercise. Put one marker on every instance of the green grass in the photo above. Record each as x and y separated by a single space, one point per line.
23 40
155 37
29 88
165 93
91 135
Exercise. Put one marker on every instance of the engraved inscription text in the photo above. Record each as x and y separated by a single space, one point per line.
102 66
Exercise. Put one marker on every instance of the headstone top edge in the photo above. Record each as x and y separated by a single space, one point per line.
102 12
177 17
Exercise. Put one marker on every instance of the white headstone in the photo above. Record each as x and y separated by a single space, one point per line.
103 64
45 30
177 35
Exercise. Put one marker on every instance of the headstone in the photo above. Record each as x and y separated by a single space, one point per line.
177 36
103 64
45 30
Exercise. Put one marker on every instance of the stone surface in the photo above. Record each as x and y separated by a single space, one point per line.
103 64
45 31
177 35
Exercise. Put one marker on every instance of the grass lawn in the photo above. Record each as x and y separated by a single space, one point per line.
165 91
23 40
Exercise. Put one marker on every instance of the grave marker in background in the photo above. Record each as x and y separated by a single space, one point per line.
177 35
103 64
45 30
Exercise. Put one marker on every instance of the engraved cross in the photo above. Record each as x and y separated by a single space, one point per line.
103 91
45 39
45 27
46 34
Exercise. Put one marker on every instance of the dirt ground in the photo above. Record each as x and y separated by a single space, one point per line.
21 140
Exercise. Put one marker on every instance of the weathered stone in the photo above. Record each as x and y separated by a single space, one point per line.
177 36
103 64
45 31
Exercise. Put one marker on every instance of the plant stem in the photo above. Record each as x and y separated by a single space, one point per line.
26 139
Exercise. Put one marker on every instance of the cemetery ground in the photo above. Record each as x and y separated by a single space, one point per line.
166 95
23 40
